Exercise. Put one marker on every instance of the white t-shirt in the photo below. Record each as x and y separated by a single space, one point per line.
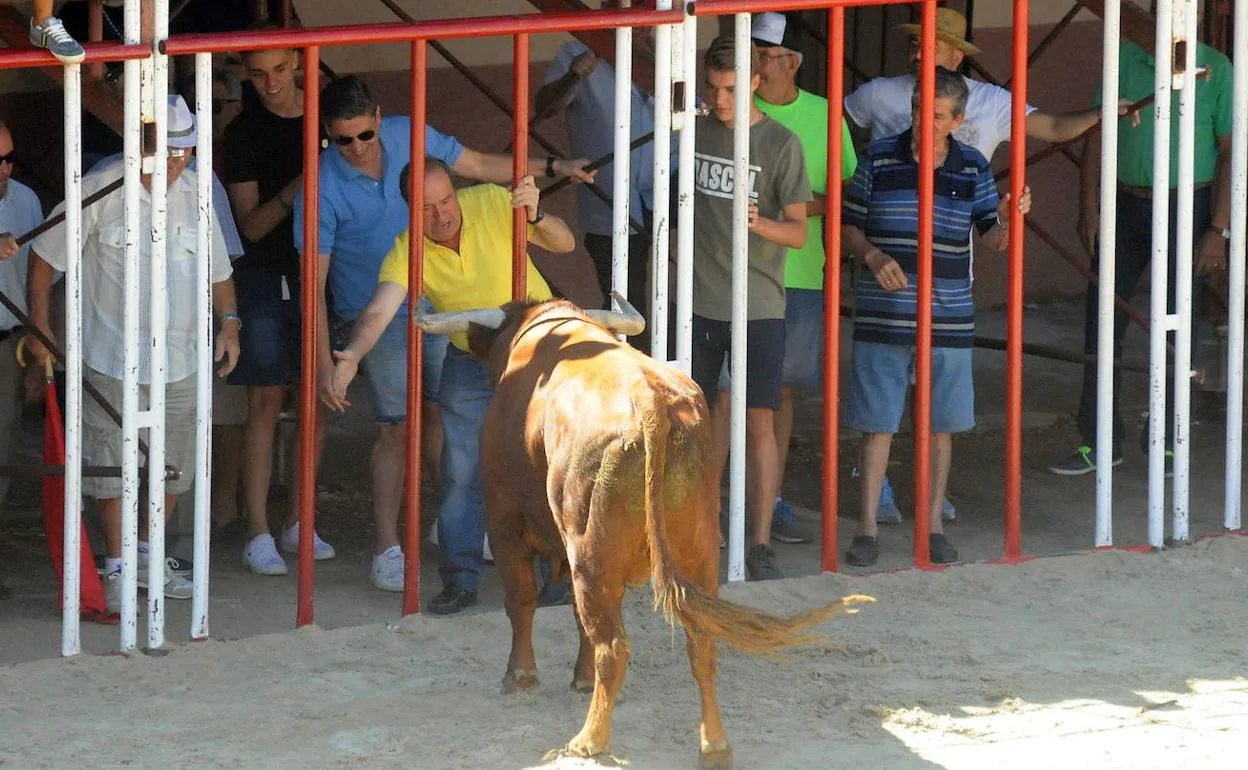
103 248
883 106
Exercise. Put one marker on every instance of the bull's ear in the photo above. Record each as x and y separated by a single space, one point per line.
627 322
451 323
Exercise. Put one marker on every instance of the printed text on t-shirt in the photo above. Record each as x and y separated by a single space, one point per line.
715 176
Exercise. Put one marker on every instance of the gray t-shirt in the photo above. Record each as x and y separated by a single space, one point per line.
777 179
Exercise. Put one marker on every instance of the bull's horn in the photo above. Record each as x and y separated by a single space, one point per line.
450 323
627 322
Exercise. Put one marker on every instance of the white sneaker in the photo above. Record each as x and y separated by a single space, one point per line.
433 535
387 573
486 553
112 591
321 549
261 556
176 586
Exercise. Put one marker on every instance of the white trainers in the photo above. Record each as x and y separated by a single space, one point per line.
486 553
176 586
387 572
261 556
322 549
112 591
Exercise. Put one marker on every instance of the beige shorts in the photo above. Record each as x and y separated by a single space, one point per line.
101 436
229 403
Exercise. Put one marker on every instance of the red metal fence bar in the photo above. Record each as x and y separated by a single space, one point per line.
1014 303
520 164
832 290
721 7
442 29
308 290
96 53
415 337
923 333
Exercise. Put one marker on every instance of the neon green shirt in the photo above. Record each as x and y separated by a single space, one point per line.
807 116
1213 116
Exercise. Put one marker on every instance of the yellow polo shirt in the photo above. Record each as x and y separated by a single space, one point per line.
479 275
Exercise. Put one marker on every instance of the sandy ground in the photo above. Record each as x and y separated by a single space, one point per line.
1103 660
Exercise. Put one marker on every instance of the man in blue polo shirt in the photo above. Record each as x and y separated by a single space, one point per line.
882 207
361 212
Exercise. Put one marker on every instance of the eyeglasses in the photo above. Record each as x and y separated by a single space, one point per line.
10 158
772 56
363 136
175 153
218 105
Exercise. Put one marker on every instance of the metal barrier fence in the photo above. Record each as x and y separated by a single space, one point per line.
145 54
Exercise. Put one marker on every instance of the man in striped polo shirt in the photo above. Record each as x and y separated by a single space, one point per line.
882 212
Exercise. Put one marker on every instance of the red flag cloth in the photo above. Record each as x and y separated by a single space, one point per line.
92 605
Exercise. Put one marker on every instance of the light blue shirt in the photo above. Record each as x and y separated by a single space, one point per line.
220 204
591 123
20 213
360 217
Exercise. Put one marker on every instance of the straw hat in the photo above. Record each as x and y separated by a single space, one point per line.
950 27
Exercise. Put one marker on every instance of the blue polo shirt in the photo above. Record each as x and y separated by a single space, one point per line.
883 202
359 216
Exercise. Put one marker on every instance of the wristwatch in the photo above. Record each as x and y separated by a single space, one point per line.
550 165
1225 232
232 317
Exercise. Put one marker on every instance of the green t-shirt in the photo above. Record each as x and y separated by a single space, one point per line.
807 116
1213 116
777 179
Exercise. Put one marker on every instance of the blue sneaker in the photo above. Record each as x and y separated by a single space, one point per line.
785 527
888 512
947 511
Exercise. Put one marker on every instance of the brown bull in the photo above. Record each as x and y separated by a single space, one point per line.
598 458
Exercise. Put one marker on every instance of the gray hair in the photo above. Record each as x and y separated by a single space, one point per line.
949 85
227 78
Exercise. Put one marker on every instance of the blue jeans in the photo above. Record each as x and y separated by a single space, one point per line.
464 394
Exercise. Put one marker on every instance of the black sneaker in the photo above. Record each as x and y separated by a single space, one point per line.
785 526
452 599
1081 462
864 551
941 550
760 563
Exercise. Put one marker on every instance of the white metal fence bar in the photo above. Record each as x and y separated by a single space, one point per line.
71 641
1232 516
661 226
684 205
203 351
1106 252
1184 14
742 98
620 191
1161 322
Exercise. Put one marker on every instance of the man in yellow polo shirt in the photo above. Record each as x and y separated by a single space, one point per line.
467 266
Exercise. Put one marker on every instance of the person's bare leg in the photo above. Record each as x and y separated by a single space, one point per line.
784 430
389 453
762 470
43 9
872 464
292 515
110 522
265 405
227 471
942 456
721 438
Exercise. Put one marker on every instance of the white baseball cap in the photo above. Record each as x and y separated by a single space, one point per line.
181 124
774 29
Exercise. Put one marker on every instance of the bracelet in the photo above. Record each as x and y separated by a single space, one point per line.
227 317
540 216
550 165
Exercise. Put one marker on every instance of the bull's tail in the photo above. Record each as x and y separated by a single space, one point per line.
740 627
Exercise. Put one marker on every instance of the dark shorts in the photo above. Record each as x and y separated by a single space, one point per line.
268 303
764 357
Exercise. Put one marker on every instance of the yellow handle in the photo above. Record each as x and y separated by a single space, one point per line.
21 358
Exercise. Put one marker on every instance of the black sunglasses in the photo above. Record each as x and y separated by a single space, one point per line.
363 136
10 158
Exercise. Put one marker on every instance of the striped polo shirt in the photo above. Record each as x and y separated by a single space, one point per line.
883 202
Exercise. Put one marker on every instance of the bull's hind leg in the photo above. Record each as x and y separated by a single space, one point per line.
583 672
703 659
599 609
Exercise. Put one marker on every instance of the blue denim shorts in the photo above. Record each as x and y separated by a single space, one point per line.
881 374
269 340
803 339
385 367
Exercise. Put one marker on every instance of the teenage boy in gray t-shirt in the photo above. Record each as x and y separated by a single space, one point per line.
779 191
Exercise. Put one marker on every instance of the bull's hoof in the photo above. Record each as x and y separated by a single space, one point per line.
583 685
716 758
601 758
520 681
